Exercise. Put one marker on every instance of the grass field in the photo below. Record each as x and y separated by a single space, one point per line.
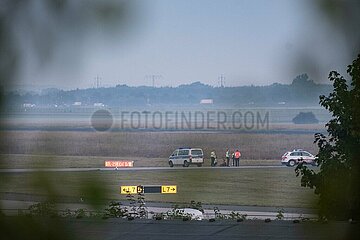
263 187
150 144
52 161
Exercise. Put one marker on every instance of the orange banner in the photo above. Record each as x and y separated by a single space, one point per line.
119 164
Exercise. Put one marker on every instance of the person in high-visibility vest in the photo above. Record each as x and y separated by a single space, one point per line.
237 158
213 158
227 156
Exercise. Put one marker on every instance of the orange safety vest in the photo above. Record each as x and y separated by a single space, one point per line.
237 154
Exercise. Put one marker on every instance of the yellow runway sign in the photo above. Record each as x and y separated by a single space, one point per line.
165 189
169 189
131 189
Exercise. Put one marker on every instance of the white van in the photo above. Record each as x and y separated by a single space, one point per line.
187 156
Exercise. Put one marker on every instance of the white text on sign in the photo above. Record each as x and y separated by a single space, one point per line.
119 164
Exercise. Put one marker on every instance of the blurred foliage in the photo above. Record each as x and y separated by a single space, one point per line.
280 214
38 28
237 216
218 214
26 227
337 182
43 209
344 16
94 192
34 30
116 210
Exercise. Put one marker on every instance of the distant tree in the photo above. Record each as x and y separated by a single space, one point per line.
302 81
305 118
337 182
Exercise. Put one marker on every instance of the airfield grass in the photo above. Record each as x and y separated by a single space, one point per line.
53 161
263 187
151 144
276 187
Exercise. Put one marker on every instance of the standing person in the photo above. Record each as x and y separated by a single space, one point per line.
233 159
213 158
227 156
237 158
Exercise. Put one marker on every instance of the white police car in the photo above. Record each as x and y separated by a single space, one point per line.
297 156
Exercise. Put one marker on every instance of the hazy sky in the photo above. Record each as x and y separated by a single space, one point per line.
249 42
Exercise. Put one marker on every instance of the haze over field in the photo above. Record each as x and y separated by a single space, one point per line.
169 43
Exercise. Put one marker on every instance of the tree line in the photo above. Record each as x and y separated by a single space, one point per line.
302 91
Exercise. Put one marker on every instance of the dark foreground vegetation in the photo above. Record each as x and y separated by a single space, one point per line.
337 183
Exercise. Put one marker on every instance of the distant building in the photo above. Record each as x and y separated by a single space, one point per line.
77 104
99 105
207 101
28 105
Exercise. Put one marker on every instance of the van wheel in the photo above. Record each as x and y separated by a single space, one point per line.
291 163
199 164
186 163
171 164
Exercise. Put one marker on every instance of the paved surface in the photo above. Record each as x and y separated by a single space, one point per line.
196 230
24 170
111 229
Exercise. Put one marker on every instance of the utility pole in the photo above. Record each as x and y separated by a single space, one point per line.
97 81
221 79
153 78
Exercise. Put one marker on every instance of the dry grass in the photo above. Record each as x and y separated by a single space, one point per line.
265 187
150 144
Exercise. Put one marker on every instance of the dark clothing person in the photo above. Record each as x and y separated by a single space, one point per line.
223 164
213 158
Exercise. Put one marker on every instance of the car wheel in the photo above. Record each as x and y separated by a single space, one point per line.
171 164
186 163
199 164
291 163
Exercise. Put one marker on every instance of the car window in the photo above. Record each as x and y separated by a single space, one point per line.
183 152
295 154
196 152
305 154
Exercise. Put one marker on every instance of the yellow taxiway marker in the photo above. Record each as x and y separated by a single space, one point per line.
169 189
165 189
131 189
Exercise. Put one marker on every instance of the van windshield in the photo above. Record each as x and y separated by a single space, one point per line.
183 152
